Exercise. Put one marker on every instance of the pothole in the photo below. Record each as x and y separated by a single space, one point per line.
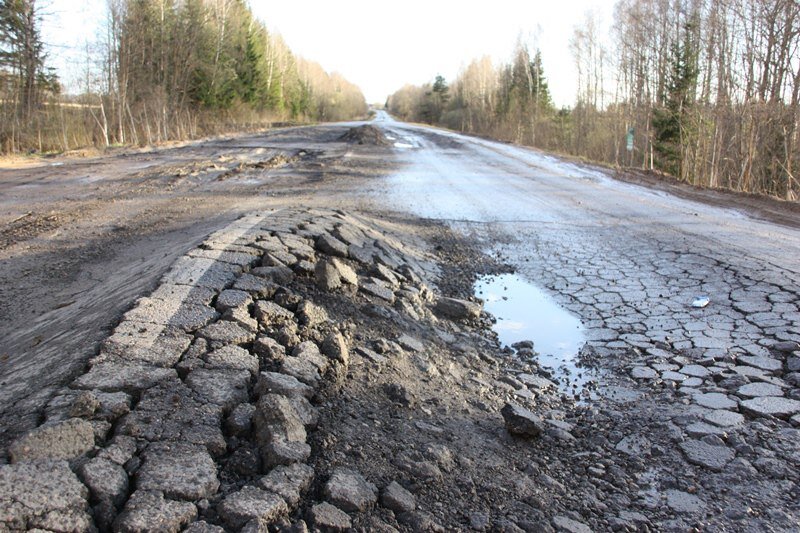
523 312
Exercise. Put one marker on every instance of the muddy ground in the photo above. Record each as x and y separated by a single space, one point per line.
669 442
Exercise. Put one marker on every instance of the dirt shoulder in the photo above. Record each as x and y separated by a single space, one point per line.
766 208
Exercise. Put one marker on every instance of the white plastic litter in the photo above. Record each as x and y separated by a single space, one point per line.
701 301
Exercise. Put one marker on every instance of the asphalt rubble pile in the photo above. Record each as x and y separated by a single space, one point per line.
366 134
196 413
301 370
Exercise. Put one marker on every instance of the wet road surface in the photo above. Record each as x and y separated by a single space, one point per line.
628 260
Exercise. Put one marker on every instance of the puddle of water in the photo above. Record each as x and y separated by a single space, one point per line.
525 313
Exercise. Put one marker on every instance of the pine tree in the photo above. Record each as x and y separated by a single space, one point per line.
671 121
22 54
541 90
435 100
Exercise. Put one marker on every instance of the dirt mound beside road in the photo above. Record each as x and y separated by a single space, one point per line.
365 135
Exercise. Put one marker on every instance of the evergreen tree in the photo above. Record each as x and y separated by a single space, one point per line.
435 101
253 85
541 90
22 54
671 121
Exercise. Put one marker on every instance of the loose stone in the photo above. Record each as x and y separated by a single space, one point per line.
349 491
703 454
521 422
326 517
771 406
398 499
250 503
65 440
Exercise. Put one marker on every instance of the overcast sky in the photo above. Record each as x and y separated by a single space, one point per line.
379 45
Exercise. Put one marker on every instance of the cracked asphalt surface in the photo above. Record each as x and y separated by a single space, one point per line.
693 419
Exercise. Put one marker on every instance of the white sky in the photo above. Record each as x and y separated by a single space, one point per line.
380 45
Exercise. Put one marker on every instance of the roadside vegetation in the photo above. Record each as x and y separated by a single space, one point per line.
709 90
167 70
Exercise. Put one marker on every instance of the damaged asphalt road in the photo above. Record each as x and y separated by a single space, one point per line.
279 332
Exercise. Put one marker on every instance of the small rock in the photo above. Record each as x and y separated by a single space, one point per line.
272 314
715 400
536 382
696 371
330 245
231 299
377 290
703 454
786 346
754 390
256 286
521 422
326 517
419 521
107 480
251 503
280 275
398 499
277 383
771 406
150 511
701 429
346 272
240 420
327 275
458 309
386 274
643 372
335 347
203 527
269 351
65 440
764 363
85 405
226 388
119 451
562 523
179 471
224 332
231 358
29 492
723 418
288 482
279 431
311 314
349 491
410 343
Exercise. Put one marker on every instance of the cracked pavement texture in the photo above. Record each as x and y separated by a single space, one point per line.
627 260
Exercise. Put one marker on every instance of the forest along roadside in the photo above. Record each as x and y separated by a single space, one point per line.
428 422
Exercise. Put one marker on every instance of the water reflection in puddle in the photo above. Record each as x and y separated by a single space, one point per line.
525 313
